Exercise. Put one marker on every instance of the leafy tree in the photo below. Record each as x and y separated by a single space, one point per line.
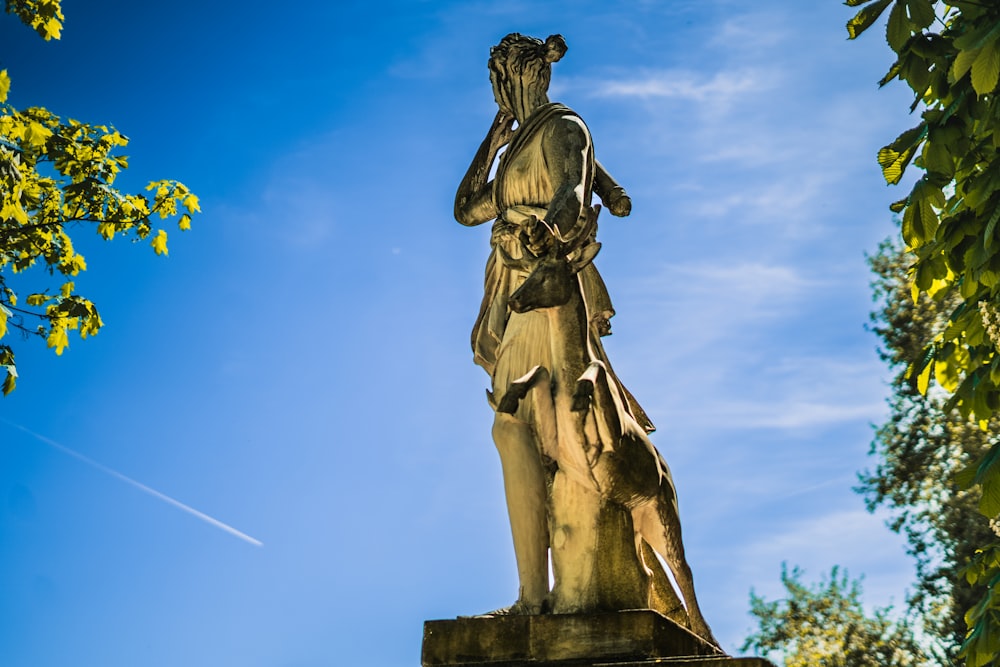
825 625
919 451
948 53
57 177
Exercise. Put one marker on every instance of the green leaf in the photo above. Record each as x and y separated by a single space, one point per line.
891 74
963 63
920 221
9 382
921 12
966 477
937 159
865 18
895 157
989 503
913 228
990 228
897 30
986 69
976 35
989 466
920 365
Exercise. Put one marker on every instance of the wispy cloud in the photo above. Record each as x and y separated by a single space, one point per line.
744 278
794 413
723 296
752 33
721 88
210 520
852 538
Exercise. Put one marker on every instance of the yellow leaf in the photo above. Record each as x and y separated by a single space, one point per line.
91 325
58 338
160 243
77 264
4 85
3 321
924 379
19 214
37 134
941 284
185 222
191 204
67 288
52 28
945 375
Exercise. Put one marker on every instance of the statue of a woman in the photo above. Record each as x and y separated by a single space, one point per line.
543 188
548 173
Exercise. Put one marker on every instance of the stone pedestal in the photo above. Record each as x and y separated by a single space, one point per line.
613 639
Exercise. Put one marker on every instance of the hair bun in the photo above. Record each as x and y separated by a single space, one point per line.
555 48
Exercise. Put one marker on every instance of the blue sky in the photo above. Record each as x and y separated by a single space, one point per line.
299 367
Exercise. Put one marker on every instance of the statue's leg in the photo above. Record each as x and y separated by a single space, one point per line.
524 486
574 519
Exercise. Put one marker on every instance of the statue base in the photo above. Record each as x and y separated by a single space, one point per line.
612 639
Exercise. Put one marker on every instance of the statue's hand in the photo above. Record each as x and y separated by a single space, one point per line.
619 203
501 131
536 236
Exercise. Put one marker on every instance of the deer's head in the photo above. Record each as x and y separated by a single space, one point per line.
551 280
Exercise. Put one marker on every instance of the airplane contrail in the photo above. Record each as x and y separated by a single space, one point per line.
212 521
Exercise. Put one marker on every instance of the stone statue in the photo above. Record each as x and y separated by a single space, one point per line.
582 480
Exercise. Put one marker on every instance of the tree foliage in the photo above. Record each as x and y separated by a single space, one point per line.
57 176
919 451
825 625
948 53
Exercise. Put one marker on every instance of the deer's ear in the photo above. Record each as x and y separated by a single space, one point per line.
587 255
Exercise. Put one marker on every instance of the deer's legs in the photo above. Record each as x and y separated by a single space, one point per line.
660 526
525 489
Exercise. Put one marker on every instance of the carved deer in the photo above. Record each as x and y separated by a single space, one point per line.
586 427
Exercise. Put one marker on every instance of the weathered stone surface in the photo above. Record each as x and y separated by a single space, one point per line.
616 639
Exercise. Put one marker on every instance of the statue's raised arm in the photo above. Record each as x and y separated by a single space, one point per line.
474 199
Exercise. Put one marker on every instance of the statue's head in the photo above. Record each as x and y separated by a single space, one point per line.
521 68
